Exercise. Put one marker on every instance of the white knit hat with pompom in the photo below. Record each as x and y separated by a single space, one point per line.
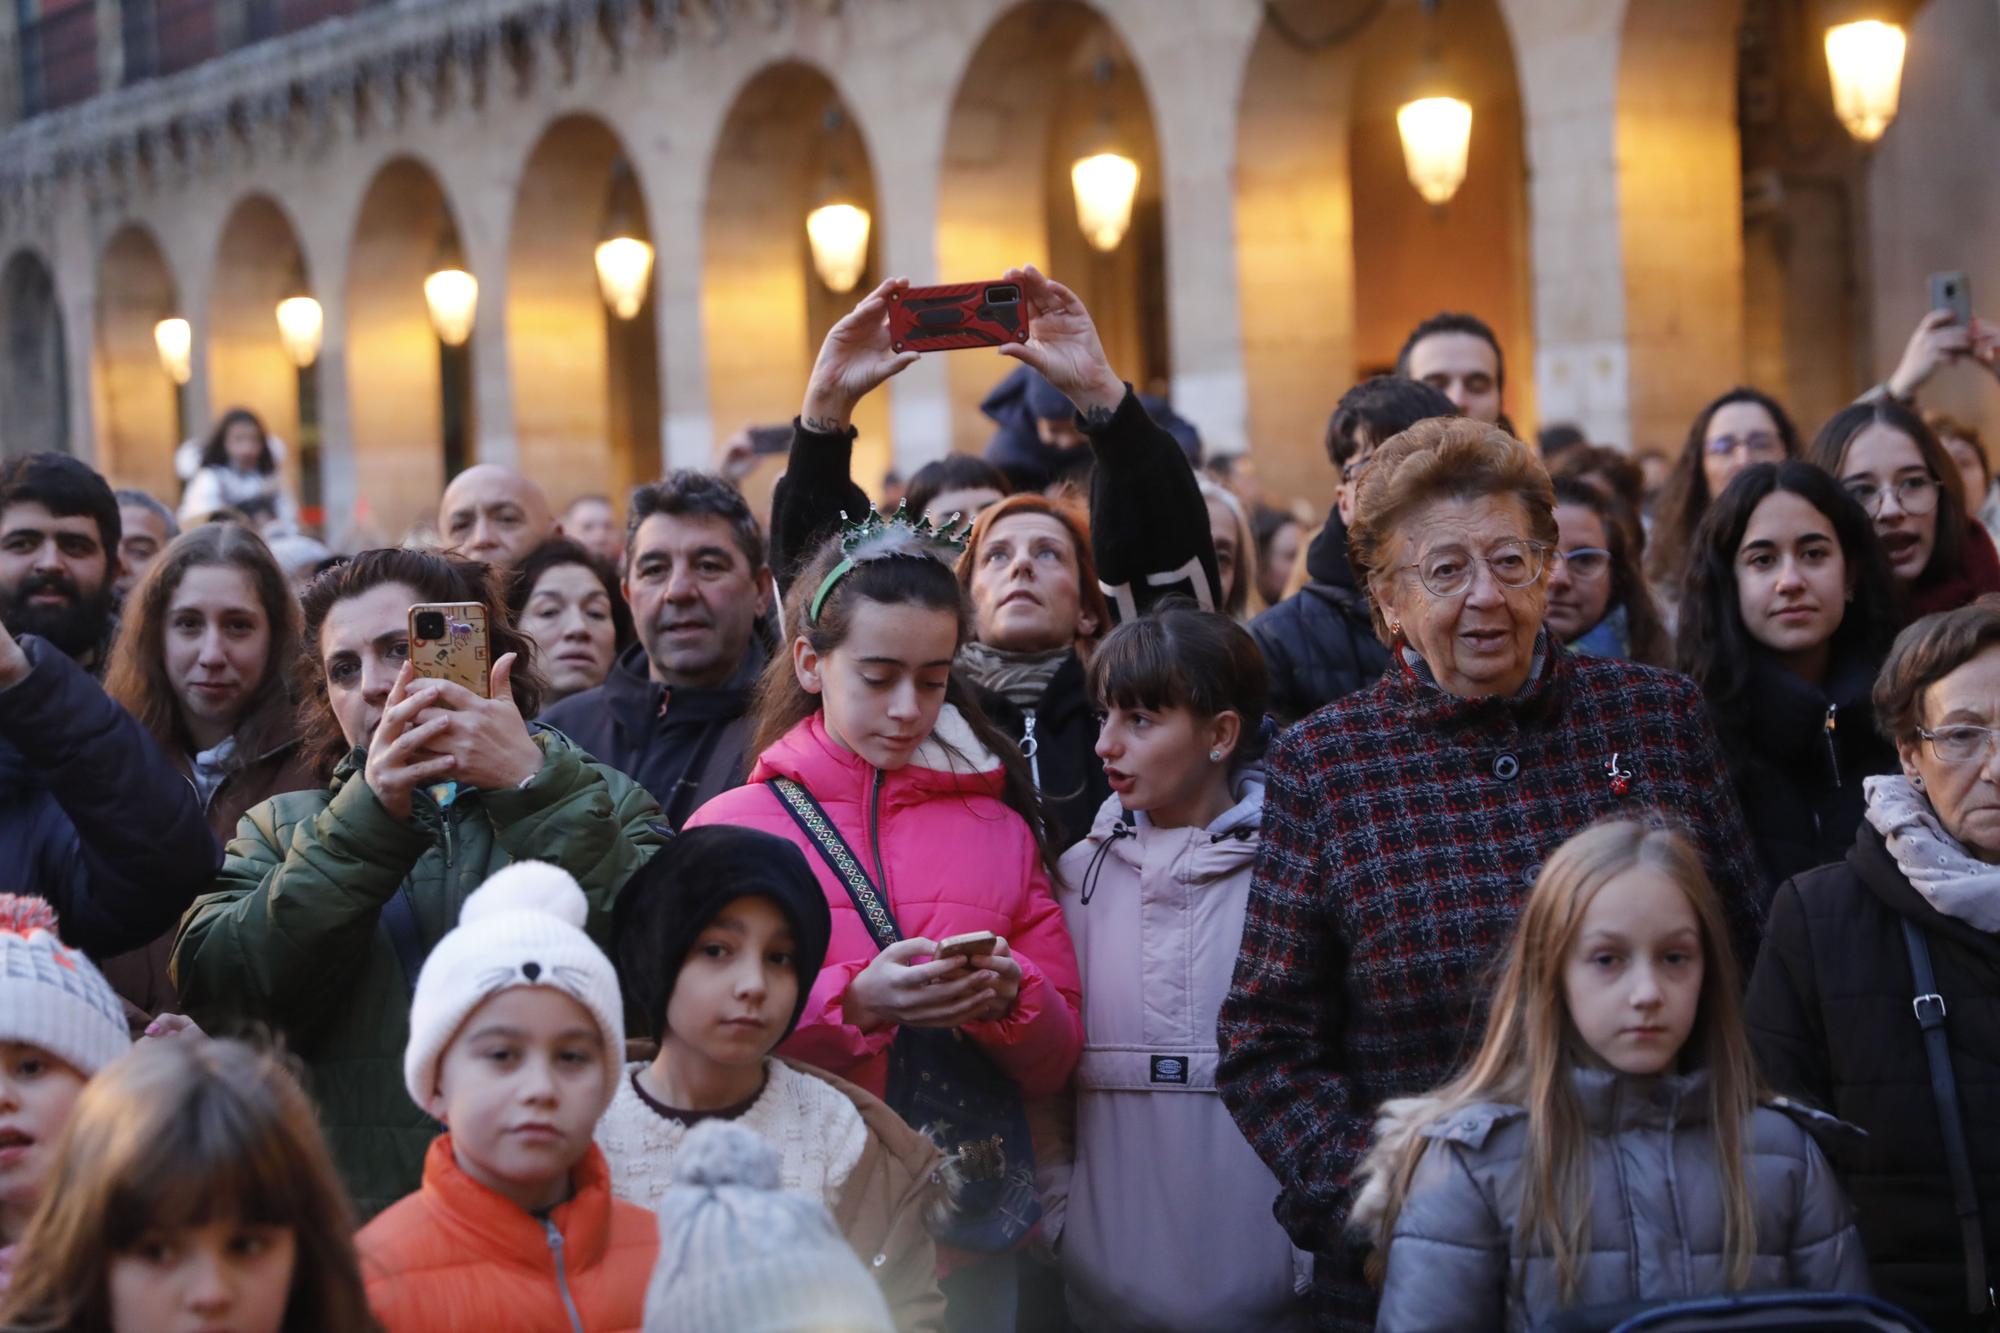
522 927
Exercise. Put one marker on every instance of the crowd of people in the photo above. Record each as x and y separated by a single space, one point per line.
1085 896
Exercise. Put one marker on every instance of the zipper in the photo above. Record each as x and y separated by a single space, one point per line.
875 834
562 1274
1832 755
1031 748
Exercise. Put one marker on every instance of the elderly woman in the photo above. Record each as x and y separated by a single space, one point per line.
1831 1002
1405 823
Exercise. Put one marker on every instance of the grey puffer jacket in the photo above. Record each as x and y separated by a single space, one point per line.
1656 1218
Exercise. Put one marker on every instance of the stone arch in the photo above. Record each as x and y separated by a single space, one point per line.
787 135
34 363
1026 106
397 369
259 262
139 413
586 382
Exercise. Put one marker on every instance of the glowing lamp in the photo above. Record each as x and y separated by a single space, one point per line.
453 297
1105 184
838 233
624 268
300 324
174 340
1865 60
1436 133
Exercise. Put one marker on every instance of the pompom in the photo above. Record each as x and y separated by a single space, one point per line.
721 1152
528 886
22 915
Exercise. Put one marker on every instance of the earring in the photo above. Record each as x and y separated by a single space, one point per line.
1215 756
1917 782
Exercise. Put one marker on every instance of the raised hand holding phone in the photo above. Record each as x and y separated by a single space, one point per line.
485 736
400 754
855 358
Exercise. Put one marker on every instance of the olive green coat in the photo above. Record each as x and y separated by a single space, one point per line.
289 935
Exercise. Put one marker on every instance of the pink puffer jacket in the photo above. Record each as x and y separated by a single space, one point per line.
953 858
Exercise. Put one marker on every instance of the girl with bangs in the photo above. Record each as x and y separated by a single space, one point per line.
1610 1141
193 1189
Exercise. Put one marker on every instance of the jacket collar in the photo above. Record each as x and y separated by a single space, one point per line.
951 761
1786 714
1426 703
499 1231
1230 839
1614 1103
632 691
1326 558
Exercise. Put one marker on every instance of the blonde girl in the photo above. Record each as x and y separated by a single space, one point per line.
1610 1142
192 1190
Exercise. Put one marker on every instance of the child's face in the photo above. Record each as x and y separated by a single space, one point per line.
1633 976
36 1093
883 687
219 1275
737 989
520 1088
1156 759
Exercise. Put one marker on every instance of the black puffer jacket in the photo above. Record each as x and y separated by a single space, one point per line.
1797 754
1830 1018
1063 727
1319 644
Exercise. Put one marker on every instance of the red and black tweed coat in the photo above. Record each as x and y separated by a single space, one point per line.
1403 827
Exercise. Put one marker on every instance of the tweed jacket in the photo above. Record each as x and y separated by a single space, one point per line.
1403 827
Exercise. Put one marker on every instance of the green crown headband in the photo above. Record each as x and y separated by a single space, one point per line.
878 538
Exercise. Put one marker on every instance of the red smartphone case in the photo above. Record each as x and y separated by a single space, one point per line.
965 314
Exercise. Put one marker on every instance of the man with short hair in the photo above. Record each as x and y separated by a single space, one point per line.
93 816
1457 355
592 523
674 712
145 526
493 513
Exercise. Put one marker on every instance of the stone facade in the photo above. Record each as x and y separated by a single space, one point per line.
1276 251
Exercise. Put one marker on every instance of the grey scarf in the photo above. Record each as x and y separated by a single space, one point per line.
1938 866
1020 678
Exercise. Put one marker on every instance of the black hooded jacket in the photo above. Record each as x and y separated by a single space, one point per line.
1320 644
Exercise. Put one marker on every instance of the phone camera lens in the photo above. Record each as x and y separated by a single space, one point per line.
430 624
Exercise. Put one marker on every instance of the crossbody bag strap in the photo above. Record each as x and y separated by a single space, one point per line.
1930 1011
399 918
815 824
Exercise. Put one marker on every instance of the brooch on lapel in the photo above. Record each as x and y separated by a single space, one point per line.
1621 778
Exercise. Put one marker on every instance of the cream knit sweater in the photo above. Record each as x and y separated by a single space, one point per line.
817 1132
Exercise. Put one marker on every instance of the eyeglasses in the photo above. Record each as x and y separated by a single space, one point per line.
1758 444
1448 571
1587 564
1355 467
1915 494
1959 743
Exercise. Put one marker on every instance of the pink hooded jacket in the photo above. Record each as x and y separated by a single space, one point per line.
952 858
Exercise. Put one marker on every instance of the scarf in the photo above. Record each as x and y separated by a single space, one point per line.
1020 678
210 767
1422 669
1609 637
1951 879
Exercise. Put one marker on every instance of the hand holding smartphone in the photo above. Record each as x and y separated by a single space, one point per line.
448 641
972 944
959 315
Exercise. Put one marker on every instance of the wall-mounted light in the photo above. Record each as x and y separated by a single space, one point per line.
1864 59
173 339
624 256
1105 179
451 293
838 233
301 324
1437 139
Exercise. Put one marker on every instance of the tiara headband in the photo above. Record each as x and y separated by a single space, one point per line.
877 538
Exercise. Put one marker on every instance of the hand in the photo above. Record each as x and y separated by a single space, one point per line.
14 663
486 738
853 360
942 993
739 457
1063 344
168 1026
400 756
1938 339
1007 988
1986 345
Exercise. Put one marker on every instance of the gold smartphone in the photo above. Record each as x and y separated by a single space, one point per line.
448 641
972 944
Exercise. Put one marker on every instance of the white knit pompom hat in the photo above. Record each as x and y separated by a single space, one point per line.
50 994
522 927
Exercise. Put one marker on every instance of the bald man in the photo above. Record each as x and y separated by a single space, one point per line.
493 513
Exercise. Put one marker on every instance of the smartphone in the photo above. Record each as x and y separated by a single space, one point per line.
972 944
1950 291
766 440
448 641
967 314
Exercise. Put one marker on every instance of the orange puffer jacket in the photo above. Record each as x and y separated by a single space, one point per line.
457 1255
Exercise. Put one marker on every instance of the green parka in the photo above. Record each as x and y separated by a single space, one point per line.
290 936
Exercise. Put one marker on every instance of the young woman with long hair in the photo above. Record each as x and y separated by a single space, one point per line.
1608 1142
1738 429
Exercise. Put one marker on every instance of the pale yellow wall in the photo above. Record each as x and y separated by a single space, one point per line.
134 398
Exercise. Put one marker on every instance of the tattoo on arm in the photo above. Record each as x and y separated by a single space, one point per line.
1097 418
822 425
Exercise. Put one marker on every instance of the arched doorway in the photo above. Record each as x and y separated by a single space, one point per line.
139 416
34 367
788 145
258 264
1050 83
586 377
411 393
